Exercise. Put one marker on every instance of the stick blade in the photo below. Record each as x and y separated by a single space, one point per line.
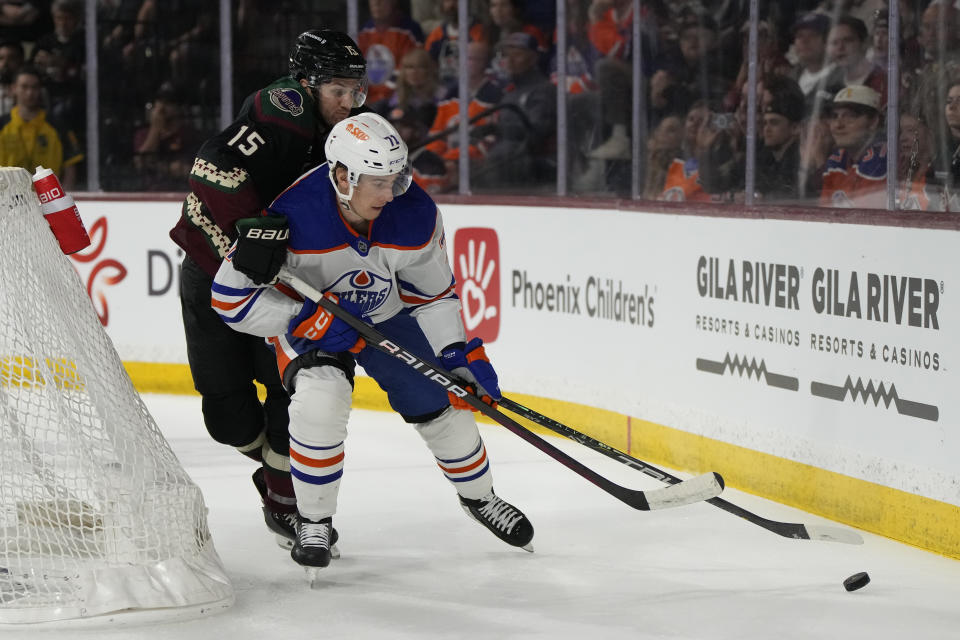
702 487
833 534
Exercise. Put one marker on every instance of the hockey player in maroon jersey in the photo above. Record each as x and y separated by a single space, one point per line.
278 134
366 236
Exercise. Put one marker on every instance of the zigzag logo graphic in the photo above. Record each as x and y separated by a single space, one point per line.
751 368
875 393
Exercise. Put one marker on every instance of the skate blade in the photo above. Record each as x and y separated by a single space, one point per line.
313 577
335 552
528 547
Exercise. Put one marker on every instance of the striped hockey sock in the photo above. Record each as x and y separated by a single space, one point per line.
470 474
316 472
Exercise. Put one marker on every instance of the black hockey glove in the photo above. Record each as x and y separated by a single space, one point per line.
261 247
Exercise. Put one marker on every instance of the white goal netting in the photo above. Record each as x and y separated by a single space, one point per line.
96 513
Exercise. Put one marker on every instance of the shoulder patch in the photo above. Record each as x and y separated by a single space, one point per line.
288 100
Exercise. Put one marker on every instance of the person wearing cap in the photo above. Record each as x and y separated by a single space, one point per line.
809 35
847 49
517 143
856 171
778 160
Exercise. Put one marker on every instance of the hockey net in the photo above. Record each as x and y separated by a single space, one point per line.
96 513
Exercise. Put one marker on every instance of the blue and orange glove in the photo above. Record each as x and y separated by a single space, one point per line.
331 334
470 363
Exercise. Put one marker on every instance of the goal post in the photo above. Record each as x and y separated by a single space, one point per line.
96 513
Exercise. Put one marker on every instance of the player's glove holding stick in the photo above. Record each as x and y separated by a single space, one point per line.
331 334
261 247
471 364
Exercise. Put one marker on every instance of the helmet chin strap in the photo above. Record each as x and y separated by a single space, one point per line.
343 198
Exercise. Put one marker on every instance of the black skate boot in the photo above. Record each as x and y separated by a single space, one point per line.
311 550
502 518
284 525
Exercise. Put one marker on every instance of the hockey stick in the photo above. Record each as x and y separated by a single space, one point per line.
680 493
785 529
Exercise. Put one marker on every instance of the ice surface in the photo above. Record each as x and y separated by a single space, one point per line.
414 565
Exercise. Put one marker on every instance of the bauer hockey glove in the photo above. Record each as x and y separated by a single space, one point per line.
261 247
330 333
471 364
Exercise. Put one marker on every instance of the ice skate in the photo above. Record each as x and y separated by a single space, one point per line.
311 550
284 525
502 518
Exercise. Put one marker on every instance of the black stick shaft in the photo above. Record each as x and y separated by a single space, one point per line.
785 529
587 441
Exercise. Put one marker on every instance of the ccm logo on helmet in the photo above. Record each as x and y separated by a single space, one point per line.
268 234
357 132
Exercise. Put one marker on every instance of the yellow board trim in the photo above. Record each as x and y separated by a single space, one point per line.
915 520
23 371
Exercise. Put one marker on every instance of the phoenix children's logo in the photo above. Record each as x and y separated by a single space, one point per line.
106 272
476 264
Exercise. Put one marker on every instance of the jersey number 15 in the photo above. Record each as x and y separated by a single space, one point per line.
250 143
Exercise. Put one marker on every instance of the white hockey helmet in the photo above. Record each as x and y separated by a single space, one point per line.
366 144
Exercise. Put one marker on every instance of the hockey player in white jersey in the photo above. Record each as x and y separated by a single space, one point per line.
369 239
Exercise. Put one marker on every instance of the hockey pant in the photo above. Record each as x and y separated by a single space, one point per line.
320 407
224 364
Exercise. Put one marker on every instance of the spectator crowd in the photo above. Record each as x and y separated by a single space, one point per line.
821 117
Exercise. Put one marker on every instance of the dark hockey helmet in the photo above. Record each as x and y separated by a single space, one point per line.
319 55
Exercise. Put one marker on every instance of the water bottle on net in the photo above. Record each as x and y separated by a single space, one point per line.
60 211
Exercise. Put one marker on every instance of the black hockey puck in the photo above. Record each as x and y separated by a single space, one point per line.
856 581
